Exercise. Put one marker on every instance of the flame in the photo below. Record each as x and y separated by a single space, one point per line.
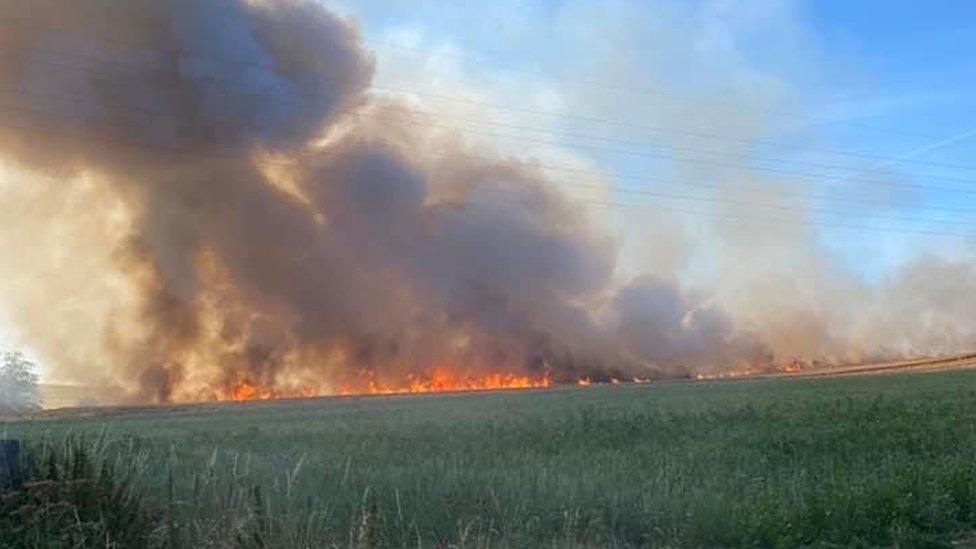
731 374
437 380
441 380
247 390
791 368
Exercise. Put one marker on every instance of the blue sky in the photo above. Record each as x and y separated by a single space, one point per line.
911 65
879 81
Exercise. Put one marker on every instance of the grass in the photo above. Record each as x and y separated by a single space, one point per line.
866 461
74 497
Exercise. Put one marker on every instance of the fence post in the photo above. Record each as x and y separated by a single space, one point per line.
10 463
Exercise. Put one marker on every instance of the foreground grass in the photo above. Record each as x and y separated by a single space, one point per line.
74 497
870 461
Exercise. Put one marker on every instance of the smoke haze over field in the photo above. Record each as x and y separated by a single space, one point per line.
207 193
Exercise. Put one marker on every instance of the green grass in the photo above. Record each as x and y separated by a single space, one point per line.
74 497
869 461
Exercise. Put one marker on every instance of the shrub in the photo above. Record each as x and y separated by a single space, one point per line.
18 384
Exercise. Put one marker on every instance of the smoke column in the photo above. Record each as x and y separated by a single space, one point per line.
205 193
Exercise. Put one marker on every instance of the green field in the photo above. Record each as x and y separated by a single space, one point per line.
859 461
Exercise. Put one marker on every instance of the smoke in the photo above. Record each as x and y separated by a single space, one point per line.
206 193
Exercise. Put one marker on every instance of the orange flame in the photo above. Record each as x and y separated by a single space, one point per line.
791 368
247 390
437 380
440 380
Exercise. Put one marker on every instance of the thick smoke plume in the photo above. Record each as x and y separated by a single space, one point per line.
207 194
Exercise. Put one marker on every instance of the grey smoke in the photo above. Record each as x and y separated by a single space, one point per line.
371 261
280 228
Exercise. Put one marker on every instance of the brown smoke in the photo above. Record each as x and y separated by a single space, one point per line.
206 193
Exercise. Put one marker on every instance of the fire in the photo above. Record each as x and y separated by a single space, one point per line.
436 380
441 380
732 374
791 368
247 390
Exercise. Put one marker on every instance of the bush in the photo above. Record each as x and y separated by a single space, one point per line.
18 384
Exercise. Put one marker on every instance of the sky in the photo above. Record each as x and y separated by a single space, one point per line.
850 120
890 85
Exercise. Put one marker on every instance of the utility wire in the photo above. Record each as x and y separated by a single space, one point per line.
668 130
817 177
156 148
750 219
222 85
784 207
942 143
563 115
639 178
19 22
658 92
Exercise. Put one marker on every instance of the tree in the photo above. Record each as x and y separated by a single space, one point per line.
18 384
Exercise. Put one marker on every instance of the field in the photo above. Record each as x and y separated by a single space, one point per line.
856 461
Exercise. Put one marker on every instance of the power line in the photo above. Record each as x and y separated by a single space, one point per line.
617 140
682 183
770 220
642 90
568 135
811 176
751 219
676 148
603 139
666 130
969 134
785 207
647 91
270 68
155 147
631 177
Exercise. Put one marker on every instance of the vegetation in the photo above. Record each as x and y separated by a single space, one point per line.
72 500
18 384
868 461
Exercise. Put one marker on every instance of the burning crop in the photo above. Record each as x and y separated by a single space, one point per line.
440 380
436 380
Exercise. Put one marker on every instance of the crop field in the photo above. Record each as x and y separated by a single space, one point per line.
857 461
